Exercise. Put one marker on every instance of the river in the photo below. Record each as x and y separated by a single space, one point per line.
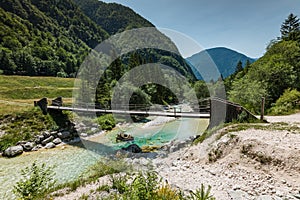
70 161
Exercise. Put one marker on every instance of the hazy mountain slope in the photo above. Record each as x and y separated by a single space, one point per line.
225 59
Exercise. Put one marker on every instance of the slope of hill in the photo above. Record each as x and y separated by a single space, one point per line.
112 17
225 59
39 37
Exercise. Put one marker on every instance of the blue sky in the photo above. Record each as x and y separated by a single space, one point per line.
245 26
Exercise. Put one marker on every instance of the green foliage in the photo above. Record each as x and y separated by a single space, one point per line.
290 28
272 74
23 126
201 194
148 186
112 17
287 103
40 37
107 122
248 93
36 180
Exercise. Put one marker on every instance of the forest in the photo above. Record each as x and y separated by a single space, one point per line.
52 38
275 76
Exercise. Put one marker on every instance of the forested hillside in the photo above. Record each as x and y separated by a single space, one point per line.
275 76
112 17
52 37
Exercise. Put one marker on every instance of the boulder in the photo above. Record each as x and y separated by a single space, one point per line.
13 151
39 139
50 145
57 141
37 147
47 140
133 148
64 135
21 143
28 146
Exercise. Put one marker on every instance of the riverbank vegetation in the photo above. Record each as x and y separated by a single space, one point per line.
37 182
275 76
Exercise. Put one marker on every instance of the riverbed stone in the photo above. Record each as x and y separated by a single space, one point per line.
47 140
37 147
50 145
133 148
39 139
13 151
28 146
83 134
57 141
64 134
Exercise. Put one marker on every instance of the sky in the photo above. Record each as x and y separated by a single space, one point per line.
244 26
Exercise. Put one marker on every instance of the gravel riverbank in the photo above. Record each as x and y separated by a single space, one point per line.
252 164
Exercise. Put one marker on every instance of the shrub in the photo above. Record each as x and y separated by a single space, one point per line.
201 194
107 122
36 180
287 102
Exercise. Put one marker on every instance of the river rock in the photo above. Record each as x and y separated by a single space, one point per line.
21 143
47 140
28 146
39 139
37 147
50 145
64 135
46 134
13 151
83 135
133 148
57 141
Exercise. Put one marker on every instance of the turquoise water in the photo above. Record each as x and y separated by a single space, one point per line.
71 161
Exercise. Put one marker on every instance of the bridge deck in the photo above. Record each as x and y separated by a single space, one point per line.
135 112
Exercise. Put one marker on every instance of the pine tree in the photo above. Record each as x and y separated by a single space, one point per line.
290 27
239 67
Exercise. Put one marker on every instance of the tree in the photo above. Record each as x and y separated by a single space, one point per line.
239 67
290 27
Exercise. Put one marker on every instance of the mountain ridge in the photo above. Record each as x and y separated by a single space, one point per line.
225 66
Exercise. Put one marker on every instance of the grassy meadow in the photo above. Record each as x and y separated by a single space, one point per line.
17 93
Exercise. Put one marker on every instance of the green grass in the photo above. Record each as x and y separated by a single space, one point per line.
17 93
24 125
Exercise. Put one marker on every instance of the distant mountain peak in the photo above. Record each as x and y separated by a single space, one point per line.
224 58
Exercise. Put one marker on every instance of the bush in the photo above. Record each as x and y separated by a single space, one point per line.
107 122
287 102
36 180
148 186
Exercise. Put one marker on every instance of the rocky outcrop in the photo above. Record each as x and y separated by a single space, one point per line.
13 151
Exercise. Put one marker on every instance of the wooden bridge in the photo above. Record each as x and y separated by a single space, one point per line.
216 109
173 111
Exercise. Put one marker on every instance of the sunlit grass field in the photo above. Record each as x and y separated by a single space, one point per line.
17 93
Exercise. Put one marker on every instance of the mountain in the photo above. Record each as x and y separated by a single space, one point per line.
225 59
52 37
112 17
